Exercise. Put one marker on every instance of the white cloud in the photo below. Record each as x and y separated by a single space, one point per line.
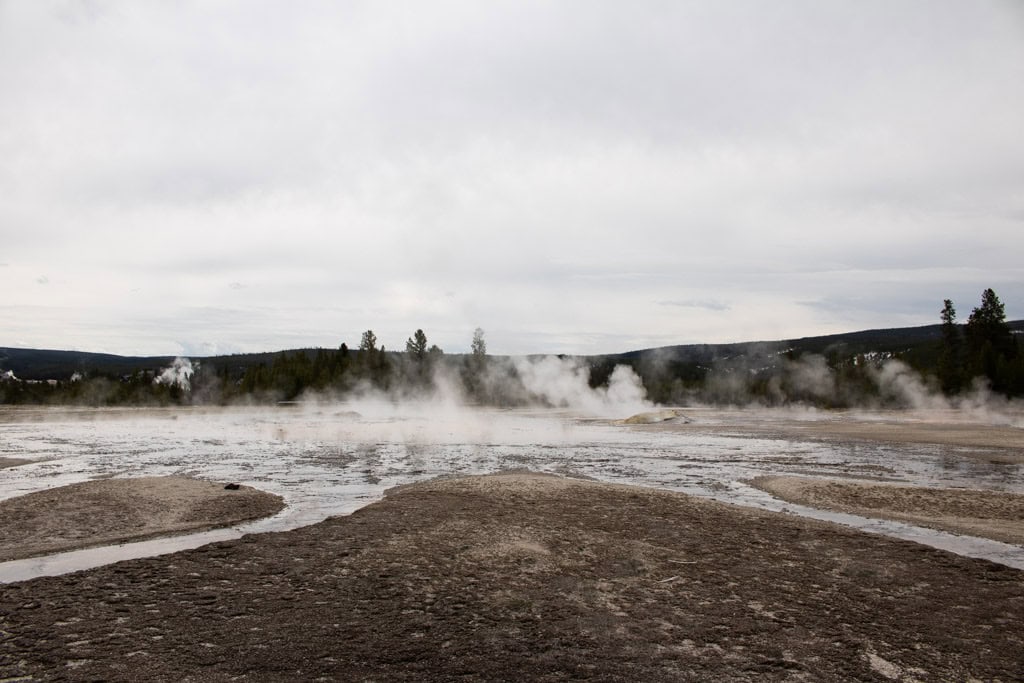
553 172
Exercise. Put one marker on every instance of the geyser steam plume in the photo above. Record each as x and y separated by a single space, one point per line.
565 383
179 374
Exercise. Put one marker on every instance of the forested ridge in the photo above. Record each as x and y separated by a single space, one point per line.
886 367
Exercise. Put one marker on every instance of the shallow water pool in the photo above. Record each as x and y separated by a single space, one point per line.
332 459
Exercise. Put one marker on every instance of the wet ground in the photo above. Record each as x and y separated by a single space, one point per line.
105 512
332 459
528 578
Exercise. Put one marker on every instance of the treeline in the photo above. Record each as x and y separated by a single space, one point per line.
284 376
100 389
983 348
881 368
909 367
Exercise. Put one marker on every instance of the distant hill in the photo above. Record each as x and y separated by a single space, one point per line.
881 341
39 364
42 364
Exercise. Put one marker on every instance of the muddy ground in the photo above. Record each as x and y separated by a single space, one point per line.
13 462
537 578
109 511
1000 441
989 514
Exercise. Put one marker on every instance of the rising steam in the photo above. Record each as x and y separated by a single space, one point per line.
178 374
565 383
539 382
769 379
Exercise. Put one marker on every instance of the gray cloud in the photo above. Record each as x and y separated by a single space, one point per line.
706 305
576 172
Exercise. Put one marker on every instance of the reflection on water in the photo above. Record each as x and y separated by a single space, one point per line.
331 460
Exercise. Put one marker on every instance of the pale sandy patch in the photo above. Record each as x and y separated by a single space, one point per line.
988 514
654 417
922 431
948 428
522 483
111 511
13 462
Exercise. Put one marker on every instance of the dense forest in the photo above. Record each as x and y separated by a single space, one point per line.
947 362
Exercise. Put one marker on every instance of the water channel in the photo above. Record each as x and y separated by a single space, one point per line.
328 460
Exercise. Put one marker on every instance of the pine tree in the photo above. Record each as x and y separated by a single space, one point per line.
416 347
478 346
474 370
989 339
372 361
950 361
368 341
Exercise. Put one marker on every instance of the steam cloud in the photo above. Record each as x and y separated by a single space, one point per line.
899 383
764 379
565 383
179 374
542 382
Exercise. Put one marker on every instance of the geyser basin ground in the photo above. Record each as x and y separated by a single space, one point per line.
331 459
528 578
109 511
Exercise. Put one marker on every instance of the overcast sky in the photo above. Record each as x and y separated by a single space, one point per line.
573 177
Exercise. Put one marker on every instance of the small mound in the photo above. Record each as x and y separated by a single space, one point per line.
13 462
110 511
655 416
989 514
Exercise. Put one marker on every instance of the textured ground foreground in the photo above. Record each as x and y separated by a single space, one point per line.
518 577
110 511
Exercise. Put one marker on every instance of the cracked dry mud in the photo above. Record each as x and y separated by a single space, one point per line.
526 577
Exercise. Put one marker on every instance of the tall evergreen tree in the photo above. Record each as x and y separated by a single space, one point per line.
473 373
372 361
416 347
950 358
478 346
368 342
989 339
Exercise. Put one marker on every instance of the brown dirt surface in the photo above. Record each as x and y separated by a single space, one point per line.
921 431
525 577
13 462
108 511
972 435
989 514
654 417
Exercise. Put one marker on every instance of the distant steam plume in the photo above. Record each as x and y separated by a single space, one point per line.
565 383
178 374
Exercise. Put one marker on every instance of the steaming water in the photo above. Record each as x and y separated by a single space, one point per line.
330 460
